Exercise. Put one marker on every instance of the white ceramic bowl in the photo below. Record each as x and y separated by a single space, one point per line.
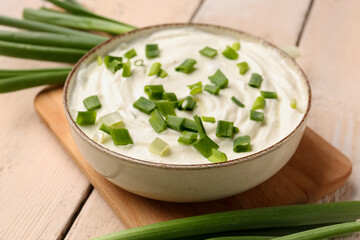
184 183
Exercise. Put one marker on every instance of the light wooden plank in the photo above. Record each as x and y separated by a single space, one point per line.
95 219
278 21
330 56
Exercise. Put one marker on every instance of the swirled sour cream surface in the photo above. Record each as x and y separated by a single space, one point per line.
117 93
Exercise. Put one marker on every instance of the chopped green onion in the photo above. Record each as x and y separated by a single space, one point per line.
157 122
256 116
243 67
208 119
208 52
130 54
152 50
236 130
113 63
236 46
204 145
86 117
170 96
230 53
217 156
266 94
225 129
165 107
242 144
155 69
190 125
139 63
293 103
99 137
187 66
196 90
212 89
162 73
155 92
120 136
187 104
198 84
92 103
187 137
259 103
144 105
255 80
113 119
219 79
126 69
99 60
237 102
175 122
159 147
105 128
200 126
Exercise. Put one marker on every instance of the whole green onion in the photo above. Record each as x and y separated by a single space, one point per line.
238 220
30 51
73 21
5 73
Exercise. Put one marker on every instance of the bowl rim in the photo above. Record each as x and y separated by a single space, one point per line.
185 166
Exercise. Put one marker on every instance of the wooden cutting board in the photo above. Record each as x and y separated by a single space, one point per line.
315 170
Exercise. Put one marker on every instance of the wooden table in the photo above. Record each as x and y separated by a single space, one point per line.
42 193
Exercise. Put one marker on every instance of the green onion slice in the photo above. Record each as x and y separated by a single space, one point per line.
162 73
293 103
259 103
219 79
126 69
99 137
225 129
165 107
144 105
256 116
105 128
130 54
200 126
91 103
113 119
157 122
187 66
236 130
208 52
243 67
86 117
187 137
113 63
230 53
99 60
255 80
152 50
187 104
266 94
139 63
196 90
170 96
242 144
237 102
175 122
190 125
155 92
159 147
208 119
217 156
197 84
236 46
155 69
204 145
212 89
120 136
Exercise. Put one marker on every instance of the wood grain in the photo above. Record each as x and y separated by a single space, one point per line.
319 170
278 21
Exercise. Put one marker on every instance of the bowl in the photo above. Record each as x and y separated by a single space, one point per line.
184 183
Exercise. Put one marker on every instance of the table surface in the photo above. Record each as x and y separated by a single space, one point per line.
42 193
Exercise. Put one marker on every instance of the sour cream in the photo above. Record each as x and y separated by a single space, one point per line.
118 93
